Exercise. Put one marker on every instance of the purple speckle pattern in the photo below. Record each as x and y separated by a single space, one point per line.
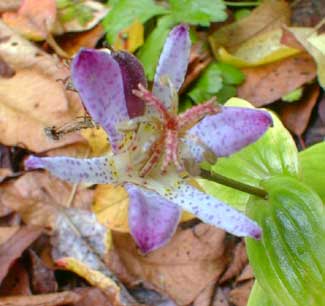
152 219
97 77
227 132
212 211
132 74
172 63
99 170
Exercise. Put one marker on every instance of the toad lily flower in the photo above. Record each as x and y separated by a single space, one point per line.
150 142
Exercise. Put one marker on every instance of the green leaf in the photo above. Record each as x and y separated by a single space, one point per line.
294 95
208 84
274 153
150 51
200 12
312 163
231 75
225 194
225 93
242 13
289 260
125 12
258 297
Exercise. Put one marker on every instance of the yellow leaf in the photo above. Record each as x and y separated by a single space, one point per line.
314 43
259 50
111 208
94 277
97 140
131 38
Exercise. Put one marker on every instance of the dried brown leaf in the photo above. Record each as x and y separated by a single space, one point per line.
268 16
44 101
51 299
72 43
12 249
296 116
220 298
239 295
238 262
92 296
6 232
181 269
42 278
16 282
246 274
206 296
9 5
38 197
266 84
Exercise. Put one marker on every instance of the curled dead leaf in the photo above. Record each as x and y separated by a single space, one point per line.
266 84
50 299
183 268
12 249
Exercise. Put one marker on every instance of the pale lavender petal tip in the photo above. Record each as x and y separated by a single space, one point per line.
229 131
172 63
33 162
100 170
213 211
152 219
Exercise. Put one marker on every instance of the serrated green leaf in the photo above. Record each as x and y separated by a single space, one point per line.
258 297
150 51
312 163
231 75
289 260
225 93
200 12
207 85
125 12
274 153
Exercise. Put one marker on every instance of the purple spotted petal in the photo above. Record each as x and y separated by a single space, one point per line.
172 63
97 77
132 74
228 131
152 219
212 211
93 170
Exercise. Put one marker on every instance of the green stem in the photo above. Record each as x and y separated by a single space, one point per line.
223 180
240 4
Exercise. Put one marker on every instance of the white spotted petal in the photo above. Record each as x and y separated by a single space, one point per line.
172 64
207 208
101 170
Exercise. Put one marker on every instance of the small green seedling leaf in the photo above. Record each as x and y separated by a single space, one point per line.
150 51
289 260
242 13
231 75
312 163
225 93
200 12
293 96
208 84
125 12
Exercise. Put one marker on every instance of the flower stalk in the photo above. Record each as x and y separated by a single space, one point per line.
226 181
